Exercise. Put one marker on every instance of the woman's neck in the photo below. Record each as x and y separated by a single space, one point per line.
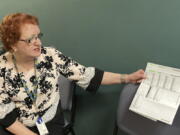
24 63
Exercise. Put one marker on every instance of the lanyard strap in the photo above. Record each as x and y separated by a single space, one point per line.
31 94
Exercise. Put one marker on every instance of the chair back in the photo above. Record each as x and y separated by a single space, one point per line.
67 89
2 51
68 103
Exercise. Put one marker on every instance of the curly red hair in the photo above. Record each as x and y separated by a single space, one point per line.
11 25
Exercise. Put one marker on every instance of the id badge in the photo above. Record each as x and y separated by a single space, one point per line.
41 127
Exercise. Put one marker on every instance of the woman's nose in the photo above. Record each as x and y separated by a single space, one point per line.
37 41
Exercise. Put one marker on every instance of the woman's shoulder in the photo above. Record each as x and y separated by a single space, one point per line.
49 50
4 58
5 64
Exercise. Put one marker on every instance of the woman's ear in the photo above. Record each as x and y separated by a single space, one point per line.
13 48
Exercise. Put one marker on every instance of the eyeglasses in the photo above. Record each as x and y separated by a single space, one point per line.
32 39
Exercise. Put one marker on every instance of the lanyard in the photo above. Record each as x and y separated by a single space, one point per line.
31 94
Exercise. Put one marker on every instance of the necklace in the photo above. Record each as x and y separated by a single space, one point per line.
31 94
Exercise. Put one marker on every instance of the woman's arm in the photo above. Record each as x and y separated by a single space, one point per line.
17 128
115 78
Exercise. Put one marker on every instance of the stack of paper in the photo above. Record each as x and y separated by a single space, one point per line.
158 96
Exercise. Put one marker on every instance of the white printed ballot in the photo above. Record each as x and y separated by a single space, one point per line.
158 96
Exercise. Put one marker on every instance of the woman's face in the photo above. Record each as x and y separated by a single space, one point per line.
29 44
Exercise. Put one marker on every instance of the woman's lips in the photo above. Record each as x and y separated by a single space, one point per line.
37 49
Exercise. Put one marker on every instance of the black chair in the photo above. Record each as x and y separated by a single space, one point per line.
68 103
134 124
2 50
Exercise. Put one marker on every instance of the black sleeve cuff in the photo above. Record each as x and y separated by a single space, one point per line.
95 81
9 119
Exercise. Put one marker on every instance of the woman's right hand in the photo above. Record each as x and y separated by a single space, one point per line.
17 128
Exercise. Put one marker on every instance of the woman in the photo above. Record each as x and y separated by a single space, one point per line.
28 78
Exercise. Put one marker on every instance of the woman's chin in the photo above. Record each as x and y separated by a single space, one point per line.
36 53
